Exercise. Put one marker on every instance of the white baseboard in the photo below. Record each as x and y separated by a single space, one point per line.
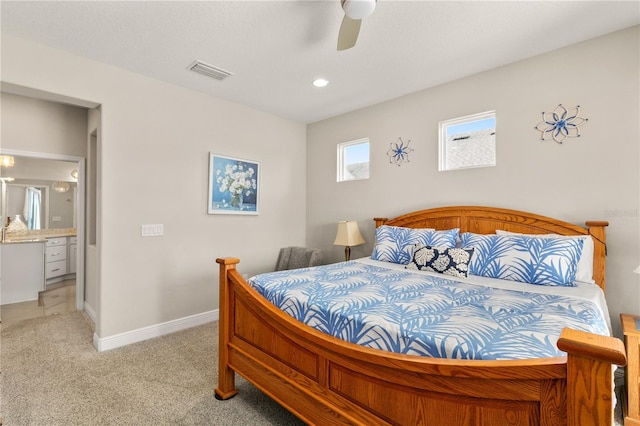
156 330
90 311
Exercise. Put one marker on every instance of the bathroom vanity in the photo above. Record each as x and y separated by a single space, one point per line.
32 262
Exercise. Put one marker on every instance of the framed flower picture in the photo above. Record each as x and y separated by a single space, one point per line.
233 185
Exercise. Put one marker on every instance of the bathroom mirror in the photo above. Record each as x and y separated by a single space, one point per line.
43 186
53 210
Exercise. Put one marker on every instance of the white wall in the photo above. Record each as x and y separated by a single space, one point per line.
36 124
594 177
42 126
155 142
92 201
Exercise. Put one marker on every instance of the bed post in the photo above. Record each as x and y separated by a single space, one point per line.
226 376
590 386
597 232
380 221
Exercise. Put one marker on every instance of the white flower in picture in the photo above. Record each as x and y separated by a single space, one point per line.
234 180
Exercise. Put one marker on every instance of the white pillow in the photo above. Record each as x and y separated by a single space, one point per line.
584 271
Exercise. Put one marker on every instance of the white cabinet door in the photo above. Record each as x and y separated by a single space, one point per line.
22 271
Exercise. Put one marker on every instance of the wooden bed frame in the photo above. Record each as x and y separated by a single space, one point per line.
325 381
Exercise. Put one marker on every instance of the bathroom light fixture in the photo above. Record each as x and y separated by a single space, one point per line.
74 174
348 235
60 186
320 82
7 161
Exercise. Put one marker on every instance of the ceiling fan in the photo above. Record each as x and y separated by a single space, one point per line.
354 12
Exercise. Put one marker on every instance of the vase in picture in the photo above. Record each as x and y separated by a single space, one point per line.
236 200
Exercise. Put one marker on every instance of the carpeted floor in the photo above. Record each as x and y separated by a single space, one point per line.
52 375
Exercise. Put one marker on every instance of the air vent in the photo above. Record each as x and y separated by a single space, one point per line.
209 70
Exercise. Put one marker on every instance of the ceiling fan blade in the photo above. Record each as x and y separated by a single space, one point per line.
349 31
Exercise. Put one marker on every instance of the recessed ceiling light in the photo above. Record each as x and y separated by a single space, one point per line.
320 82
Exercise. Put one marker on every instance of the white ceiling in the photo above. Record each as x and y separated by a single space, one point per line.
276 48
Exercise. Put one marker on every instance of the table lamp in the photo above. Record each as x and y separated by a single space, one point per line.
348 235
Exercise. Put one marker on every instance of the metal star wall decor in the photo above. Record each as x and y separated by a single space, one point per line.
561 124
399 152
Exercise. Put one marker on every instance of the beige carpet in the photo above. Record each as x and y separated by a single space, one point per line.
52 375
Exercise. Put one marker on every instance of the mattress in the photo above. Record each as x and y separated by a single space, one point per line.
384 306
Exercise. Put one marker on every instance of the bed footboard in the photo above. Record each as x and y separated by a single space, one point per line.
590 397
326 381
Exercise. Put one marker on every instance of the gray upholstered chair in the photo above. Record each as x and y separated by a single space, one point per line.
298 257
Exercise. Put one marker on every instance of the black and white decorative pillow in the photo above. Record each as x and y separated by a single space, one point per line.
443 260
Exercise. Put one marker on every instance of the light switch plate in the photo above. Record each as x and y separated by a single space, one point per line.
152 230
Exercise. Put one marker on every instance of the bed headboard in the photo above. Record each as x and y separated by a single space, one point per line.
485 220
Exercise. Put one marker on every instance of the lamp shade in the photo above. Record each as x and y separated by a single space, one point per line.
637 271
348 234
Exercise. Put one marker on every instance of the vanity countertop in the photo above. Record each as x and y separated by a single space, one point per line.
39 236
22 240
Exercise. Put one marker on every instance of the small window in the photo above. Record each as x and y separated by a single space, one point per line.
353 160
468 142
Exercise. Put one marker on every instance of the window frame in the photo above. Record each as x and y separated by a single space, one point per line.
341 151
442 139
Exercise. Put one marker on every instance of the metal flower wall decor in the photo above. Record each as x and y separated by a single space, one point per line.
561 124
399 152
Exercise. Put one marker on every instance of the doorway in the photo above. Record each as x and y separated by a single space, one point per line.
36 124
60 183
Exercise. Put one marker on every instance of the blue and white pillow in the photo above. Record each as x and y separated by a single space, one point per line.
584 271
395 243
443 260
543 261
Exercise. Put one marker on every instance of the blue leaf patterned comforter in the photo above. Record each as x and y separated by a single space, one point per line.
415 313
